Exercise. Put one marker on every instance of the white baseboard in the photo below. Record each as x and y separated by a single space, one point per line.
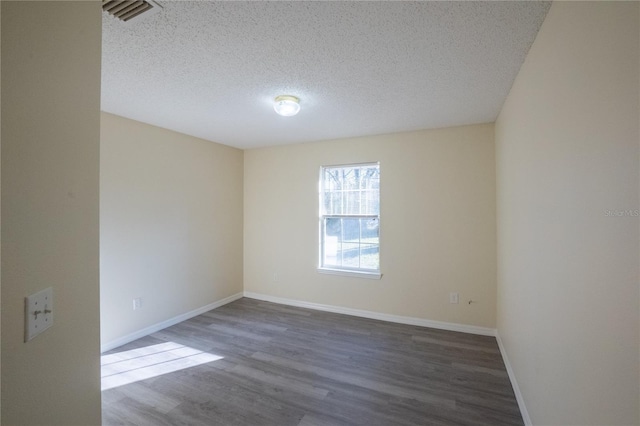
514 383
472 329
164 324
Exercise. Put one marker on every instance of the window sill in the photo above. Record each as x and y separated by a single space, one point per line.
356 274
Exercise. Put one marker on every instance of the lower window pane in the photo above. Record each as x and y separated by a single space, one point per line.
351 243
370 257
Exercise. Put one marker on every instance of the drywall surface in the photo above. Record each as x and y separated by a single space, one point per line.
170 224
50 160
567 190
437 224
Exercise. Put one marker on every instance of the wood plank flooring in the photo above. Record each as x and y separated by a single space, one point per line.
258 363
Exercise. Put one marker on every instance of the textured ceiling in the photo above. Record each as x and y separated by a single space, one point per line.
211 69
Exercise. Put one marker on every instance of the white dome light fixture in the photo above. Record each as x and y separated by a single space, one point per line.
286 105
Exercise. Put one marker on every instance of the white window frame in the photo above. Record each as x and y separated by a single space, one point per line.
344 271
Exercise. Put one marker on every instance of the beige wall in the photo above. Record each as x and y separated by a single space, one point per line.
50 159
170 224
567 151
437 214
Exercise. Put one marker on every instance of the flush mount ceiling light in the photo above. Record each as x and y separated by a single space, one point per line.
286 105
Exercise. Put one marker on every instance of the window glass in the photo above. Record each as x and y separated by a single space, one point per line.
350 217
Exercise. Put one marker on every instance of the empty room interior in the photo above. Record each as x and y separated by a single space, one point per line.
320 213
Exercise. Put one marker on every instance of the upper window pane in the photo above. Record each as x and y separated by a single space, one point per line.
351 190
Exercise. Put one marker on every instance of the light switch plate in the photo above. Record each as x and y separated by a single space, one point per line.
38 313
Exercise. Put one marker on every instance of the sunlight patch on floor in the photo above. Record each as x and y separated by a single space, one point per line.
131 366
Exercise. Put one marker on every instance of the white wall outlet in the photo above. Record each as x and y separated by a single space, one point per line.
137 303
453 298
38 313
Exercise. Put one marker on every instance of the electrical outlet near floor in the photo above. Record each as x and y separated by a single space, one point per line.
453 298
137 303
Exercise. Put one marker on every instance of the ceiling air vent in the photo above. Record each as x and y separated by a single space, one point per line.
128 10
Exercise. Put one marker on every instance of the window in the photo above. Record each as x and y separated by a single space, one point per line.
350 219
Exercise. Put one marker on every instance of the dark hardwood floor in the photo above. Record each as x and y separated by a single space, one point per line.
258 363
